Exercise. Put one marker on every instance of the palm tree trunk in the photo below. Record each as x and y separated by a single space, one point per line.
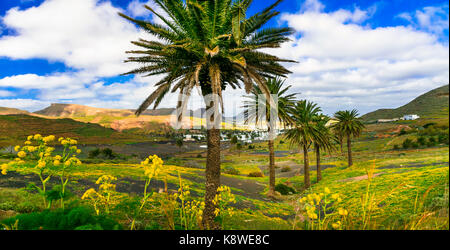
319 171
349 148
306 169
212 177
271 168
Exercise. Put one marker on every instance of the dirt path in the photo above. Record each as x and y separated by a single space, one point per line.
360 178
250 188
295 168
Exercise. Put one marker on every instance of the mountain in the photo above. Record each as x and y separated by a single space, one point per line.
433 104
11 111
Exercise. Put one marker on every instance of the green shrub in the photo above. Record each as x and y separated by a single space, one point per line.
407 143
231 170
431 142
443 138
94 153
256 174
286 169
284 189
69 219
422 141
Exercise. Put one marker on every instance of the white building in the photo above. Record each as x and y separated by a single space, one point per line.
410 117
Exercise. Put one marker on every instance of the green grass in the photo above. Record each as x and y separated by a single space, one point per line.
433 104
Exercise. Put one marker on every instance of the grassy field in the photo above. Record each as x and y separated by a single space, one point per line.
386 188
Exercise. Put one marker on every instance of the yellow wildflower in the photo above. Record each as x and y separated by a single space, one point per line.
21 154
336 225
41 164
4 169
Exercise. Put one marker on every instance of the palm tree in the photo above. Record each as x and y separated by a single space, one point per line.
284 105
348 125
210 45
305 131
324 144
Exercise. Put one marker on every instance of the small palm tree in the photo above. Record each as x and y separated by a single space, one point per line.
348 125
304 131
326 142
284 106
208 45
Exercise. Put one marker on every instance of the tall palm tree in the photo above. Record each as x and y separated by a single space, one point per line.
210 45
304 131
348 125
325 142
285 103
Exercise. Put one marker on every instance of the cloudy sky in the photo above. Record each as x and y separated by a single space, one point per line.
352 54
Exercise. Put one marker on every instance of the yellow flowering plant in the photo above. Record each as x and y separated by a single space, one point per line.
66 162
320 210
191 210
105 194
152 167
222 199
36 149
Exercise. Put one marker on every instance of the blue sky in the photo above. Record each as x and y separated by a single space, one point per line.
353 54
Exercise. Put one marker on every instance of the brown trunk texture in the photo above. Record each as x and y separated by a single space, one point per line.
319 171
212 178
271 168
349 148
306 170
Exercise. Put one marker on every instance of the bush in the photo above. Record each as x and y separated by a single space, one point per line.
256 174
396 147
231 170
286 169
69 219
431 142
402 132
443 138
284 189
251 146
422 141
108 153
94 153
407 143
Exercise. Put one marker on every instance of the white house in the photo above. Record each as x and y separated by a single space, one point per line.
410 117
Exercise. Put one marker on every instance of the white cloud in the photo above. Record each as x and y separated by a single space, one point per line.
86 35
25 104
136 8
433 19
4 93
345 64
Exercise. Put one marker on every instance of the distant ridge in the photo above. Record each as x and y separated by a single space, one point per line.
12 111
433 104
